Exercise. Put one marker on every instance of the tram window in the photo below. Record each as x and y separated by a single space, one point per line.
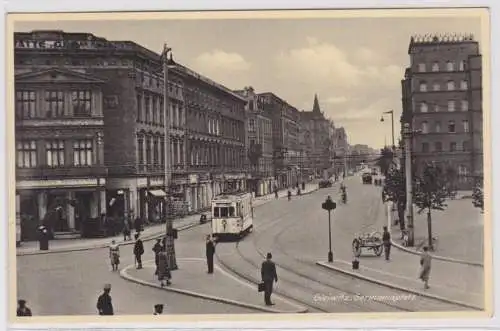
223 211
216 212
231 211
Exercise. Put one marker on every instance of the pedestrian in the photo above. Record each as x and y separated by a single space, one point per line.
138 251
104 302
138 225
114 255
425 267
386 239
22 309
275 192
268 274
158 309
210 251
157 249
163 268
126 230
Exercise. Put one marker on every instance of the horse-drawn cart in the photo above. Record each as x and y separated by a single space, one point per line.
371 241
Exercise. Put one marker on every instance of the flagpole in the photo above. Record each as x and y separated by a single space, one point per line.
169 241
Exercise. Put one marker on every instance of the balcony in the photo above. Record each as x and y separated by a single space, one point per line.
46 172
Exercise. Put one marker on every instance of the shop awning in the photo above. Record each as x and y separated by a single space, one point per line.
158 193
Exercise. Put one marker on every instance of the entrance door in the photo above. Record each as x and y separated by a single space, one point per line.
83 202
56 212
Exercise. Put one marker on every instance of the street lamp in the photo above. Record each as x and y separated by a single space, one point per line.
329 205
392 125
99 189
407 135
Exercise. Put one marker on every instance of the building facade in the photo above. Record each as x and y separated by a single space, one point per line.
259 144
341 150
287 153
442 103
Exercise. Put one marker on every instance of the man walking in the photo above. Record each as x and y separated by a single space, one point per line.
210 251
157 249
386 239
104 304
268 274
138 251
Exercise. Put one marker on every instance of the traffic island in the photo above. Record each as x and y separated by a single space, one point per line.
192 279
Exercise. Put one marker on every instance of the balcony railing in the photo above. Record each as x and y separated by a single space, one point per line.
45 172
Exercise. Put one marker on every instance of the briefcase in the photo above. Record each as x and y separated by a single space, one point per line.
261 287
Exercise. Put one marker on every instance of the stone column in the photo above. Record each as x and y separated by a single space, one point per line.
94 212
102 196
187 197
70 212
42 204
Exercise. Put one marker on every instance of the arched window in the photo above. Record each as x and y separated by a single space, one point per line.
450 85
424 108
461 65
463 85
435 67
450 66
425 127
423 86
436 86
421 67
451 105
464 105
438 127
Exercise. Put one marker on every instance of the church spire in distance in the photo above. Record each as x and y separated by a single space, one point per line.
316 105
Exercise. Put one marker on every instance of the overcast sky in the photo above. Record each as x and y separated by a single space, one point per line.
355 65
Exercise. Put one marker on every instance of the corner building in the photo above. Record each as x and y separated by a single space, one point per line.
442 102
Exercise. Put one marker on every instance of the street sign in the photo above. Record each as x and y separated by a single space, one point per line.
329 204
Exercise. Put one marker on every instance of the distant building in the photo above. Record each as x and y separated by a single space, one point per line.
442 102
340 150
259 144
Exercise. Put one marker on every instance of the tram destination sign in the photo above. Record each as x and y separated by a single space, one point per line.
67 44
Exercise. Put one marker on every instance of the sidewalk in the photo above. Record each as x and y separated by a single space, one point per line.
149 233
192 279
459 230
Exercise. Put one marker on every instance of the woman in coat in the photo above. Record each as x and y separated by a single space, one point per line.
163 269
425 267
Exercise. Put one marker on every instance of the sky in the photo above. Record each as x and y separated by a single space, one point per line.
354 65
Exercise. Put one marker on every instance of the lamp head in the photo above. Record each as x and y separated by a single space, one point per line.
381 118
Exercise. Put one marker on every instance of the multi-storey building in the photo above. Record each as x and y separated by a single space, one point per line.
442 103
320 152
215 139
340 151
286 146
259 144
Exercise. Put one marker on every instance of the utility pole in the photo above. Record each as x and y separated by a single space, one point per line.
169 239
407 133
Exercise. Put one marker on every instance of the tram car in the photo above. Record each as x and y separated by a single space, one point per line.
232 215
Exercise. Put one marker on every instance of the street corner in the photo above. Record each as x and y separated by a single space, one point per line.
401 283
191 278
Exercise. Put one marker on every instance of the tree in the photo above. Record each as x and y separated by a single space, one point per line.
478 194
395 190
385 160
430 193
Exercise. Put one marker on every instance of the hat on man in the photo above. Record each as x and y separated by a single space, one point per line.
158 308
269 256
21 302
107 287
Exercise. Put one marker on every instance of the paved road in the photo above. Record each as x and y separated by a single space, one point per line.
297 234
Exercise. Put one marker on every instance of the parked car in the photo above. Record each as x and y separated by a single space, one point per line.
367 178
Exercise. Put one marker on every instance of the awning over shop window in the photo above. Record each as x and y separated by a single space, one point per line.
158 193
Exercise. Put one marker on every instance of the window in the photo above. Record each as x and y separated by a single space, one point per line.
425 127
461 66
148 150
82 103
423 107
55 153
451 105
82 152
425 147
438 127
251 124
465 125
453 147
450 66
464 105
25 104
162 113
156 154
436 87
463 173
423 87
139 108
438 146
436 108
450 85
140 149
435 67
162 151
26 154
421 67
451 126
465 146
147 108
54 103
463 85
251 105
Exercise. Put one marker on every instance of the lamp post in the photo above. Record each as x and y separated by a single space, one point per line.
407 135
99 189
392 125
329 205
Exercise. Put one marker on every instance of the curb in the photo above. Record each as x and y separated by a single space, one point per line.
79 249
437 257
126 276
401 288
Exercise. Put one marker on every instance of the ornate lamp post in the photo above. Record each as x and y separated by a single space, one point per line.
392 126
329 205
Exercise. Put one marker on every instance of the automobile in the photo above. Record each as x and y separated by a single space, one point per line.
367 178
325 183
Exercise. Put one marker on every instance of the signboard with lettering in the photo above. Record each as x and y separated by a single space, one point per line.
67 44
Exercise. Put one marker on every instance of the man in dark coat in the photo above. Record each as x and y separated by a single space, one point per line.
22 309
138 251
268 274
104 304
158 309
210 250
157 249
386 239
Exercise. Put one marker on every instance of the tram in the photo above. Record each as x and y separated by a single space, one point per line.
232 215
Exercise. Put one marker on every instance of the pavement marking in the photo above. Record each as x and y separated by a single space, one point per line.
125 275
456 289
401 288
237 279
